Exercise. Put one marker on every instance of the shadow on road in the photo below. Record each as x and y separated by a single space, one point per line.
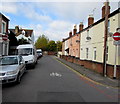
13 84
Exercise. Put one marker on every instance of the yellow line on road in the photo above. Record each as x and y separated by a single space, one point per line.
78 73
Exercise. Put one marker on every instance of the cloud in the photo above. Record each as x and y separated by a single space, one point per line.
54 19
57 30
59 25
30 11
9 7
57 1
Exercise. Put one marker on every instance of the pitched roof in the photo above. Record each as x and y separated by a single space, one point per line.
99 21
28 32
3 16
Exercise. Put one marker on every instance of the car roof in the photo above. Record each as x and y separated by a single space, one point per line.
39 49
11 56
25 46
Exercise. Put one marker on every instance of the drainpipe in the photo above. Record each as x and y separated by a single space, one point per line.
105 39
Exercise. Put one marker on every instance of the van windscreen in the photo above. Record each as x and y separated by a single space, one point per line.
25 51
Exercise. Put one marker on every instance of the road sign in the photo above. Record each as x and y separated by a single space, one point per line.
116 42
116 36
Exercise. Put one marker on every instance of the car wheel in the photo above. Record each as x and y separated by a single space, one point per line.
33 65
18 79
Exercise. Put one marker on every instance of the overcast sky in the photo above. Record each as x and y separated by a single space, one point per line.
54 19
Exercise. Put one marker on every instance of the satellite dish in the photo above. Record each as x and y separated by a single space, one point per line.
88 38
23 32
110 34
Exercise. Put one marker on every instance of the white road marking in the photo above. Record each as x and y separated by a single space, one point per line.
55 74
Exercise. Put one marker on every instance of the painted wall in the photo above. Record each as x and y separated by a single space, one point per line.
97 42
66 46
74 46
63 48
4 42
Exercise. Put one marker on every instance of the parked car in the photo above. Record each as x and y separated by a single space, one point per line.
39 53
28 51
11 69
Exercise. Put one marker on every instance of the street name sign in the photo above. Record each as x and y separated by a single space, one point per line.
116 42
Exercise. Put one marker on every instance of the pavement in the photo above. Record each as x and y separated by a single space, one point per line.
92 75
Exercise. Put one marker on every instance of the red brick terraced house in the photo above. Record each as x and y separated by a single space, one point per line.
4 41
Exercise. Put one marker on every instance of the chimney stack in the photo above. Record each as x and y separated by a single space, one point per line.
81 26
16 30
103 11
90 20
70 34
74 30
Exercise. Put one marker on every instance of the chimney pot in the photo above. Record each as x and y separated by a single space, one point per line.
74 30
70 34
81 26
16 30
103 10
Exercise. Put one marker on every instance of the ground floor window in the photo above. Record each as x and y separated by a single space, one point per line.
3 48
107 54
95 53
87 50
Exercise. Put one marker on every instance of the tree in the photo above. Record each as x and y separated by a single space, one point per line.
52 46
13 40
42 42
59 46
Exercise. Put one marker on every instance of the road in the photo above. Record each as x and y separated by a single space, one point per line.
52 81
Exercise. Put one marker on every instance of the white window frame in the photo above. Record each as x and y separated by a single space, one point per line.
88 32
3 31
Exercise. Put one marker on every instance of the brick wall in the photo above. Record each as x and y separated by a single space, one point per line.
95 66
51 53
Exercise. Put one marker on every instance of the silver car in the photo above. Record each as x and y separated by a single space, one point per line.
11 69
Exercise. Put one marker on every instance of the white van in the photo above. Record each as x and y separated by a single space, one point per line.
29 54
39 53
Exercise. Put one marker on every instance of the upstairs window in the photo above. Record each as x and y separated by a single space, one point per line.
88 38
95 54
3 27
87 33
108 26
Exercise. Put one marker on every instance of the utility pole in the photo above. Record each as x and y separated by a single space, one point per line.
105 39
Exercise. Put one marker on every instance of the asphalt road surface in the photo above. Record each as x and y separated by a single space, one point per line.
51 81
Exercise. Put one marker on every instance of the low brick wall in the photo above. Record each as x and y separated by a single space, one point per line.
95 66
51 53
